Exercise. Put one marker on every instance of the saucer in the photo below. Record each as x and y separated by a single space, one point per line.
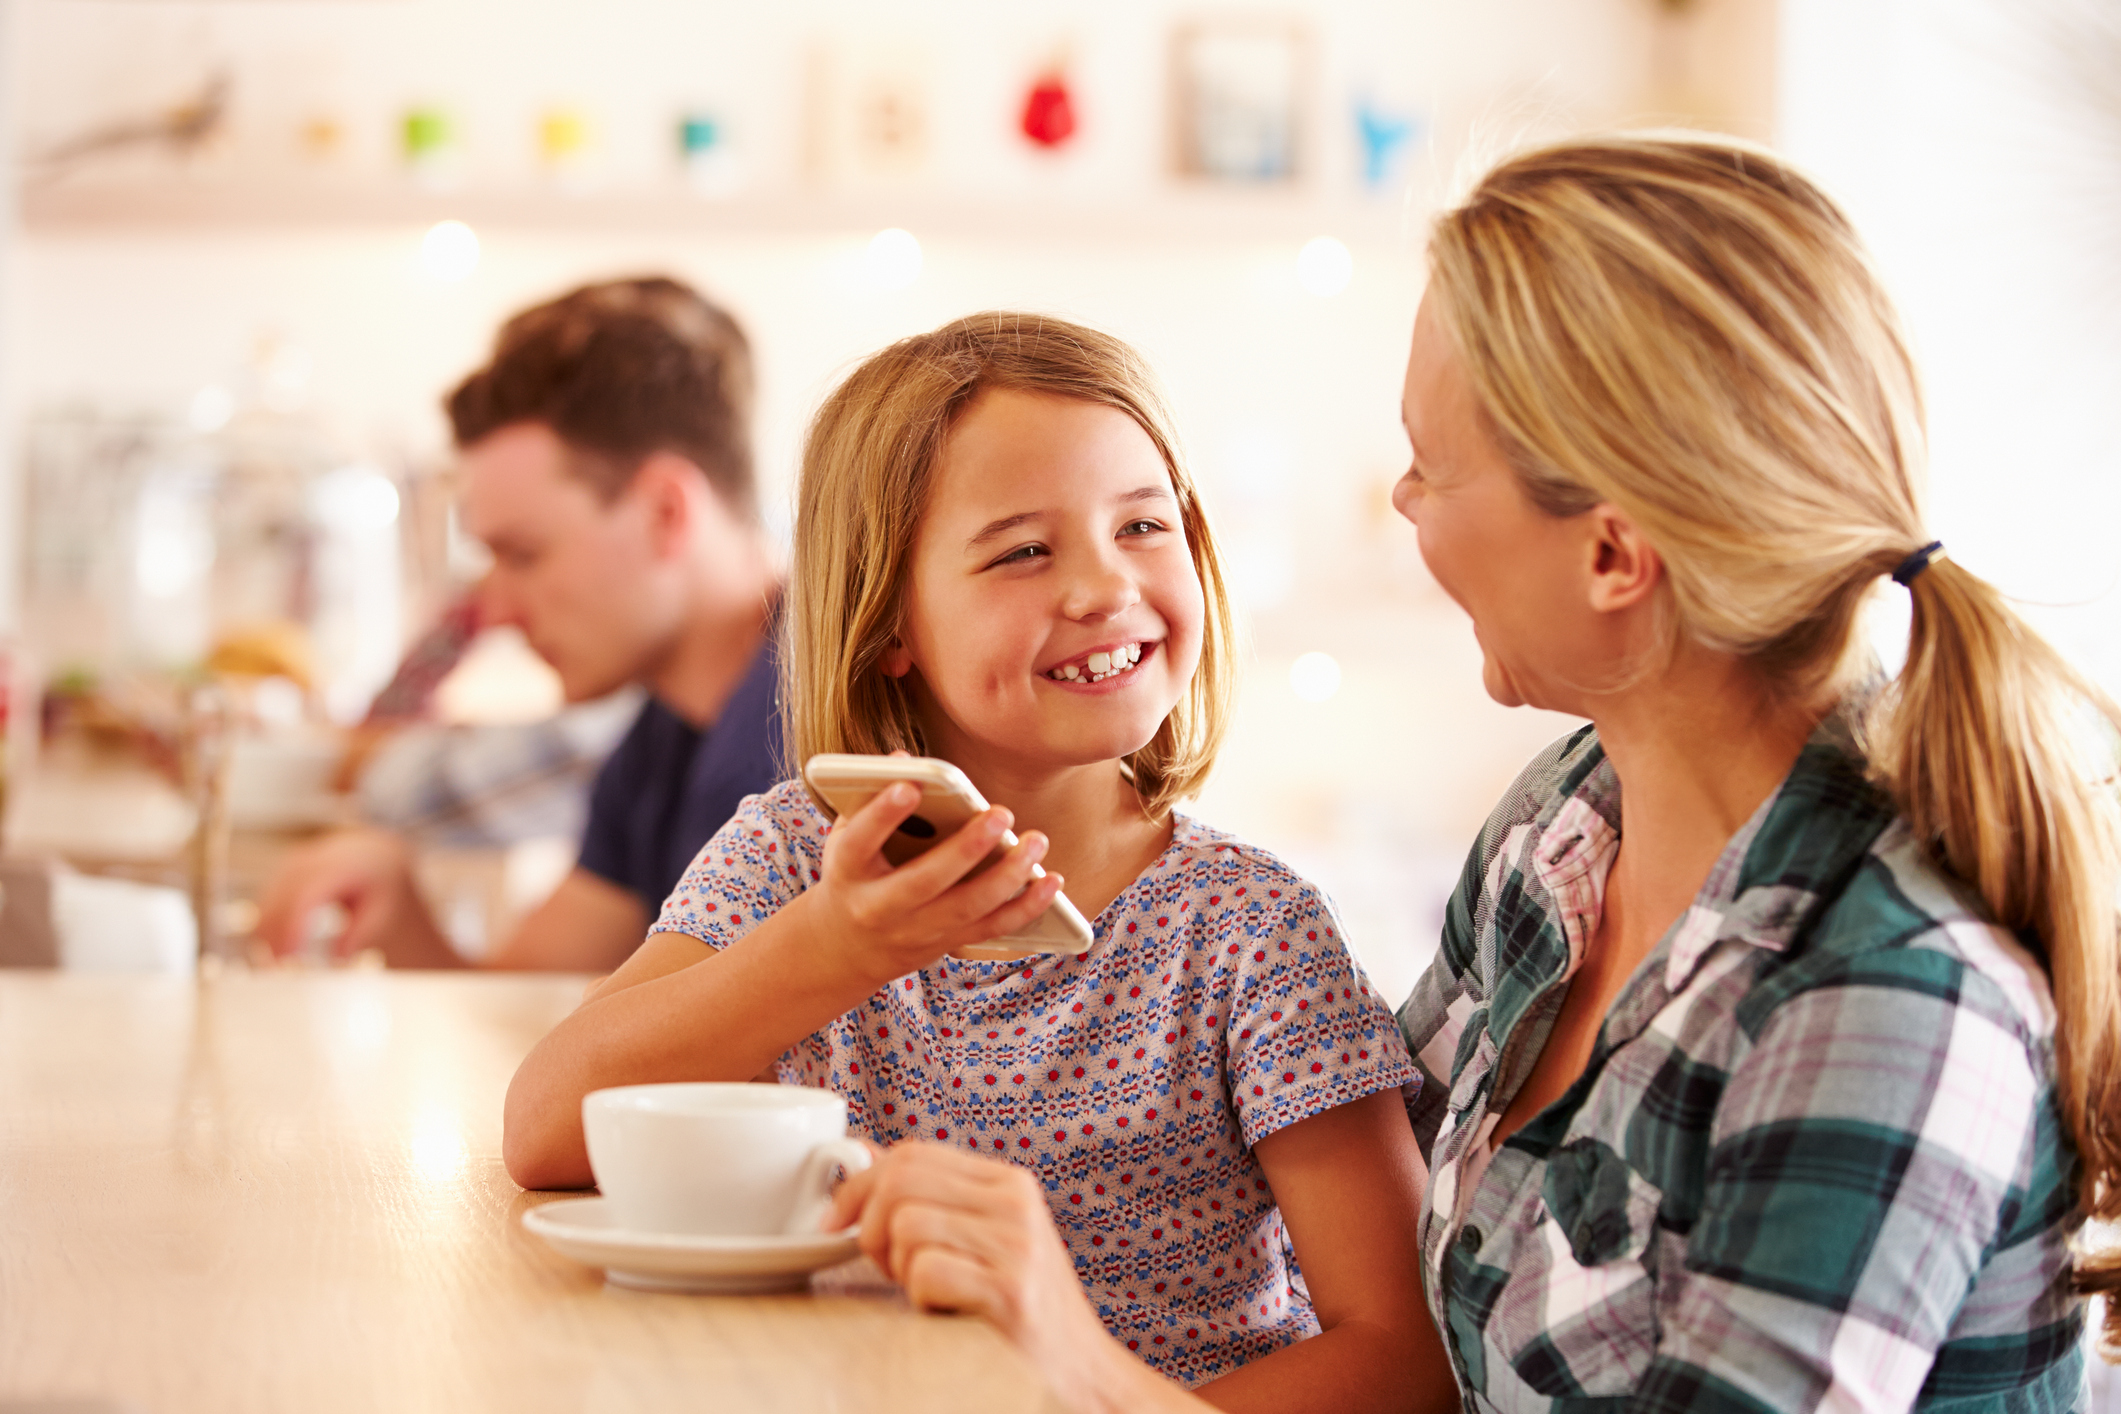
582 1228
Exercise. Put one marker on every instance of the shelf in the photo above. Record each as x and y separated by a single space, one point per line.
206 203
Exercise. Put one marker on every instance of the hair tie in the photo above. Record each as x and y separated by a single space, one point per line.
1918 562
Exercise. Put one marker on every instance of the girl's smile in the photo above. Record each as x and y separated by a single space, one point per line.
1113 664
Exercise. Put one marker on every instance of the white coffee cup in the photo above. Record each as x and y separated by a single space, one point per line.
724 1160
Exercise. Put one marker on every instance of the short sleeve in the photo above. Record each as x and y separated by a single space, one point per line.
753 866
1306 1032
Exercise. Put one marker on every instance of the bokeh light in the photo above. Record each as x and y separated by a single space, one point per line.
893 260
1315 676
1324 267
449 252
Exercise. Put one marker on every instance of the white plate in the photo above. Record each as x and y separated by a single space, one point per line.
582 1228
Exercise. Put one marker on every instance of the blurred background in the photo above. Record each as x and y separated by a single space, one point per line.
244 247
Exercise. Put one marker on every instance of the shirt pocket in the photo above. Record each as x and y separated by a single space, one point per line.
1595 1332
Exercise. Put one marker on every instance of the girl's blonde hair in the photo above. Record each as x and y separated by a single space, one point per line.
867 466
1684 328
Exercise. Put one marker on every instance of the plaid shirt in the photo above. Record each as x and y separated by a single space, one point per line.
1815 1161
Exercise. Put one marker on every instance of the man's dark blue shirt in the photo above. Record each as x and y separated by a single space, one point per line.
668 785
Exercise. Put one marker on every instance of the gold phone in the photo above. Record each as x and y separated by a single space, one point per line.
842 783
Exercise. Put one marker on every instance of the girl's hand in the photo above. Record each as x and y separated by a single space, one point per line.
887 922
974 1236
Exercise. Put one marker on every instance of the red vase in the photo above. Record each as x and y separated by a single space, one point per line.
1049 112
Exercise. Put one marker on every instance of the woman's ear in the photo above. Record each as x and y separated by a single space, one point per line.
1625 568
896 662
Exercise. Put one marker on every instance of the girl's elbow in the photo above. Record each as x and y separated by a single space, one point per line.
538 1153
534 1164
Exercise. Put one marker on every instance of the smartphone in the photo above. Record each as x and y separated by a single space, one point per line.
842 783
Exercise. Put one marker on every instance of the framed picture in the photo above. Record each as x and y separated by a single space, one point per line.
869 111
1239 87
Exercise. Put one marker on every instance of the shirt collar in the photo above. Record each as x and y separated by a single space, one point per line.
1796 851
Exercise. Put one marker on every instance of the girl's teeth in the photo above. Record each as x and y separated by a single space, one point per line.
1099 666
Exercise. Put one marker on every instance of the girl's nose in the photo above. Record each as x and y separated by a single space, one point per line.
1101 590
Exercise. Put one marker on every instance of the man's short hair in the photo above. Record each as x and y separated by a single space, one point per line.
620 371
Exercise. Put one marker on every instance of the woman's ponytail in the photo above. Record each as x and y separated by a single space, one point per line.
2002 757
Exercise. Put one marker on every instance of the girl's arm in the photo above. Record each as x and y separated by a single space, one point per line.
963 1233
679 1010
1350 1183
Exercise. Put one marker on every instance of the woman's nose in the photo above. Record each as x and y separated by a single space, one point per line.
1406 495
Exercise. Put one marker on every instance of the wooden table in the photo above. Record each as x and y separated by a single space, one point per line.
284 1193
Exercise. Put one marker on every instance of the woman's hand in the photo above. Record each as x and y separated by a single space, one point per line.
888 921
973 1235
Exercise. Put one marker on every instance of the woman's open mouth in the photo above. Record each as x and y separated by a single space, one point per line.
1101 666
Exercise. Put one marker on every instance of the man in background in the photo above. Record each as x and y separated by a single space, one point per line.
606 464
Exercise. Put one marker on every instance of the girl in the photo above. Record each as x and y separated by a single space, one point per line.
1000 561
1772 1056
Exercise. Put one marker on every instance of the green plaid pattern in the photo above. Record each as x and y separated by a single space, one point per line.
1815 1162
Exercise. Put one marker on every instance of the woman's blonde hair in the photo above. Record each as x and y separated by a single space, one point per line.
1686 329
867 466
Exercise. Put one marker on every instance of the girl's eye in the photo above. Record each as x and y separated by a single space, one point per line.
1141 527
1023 553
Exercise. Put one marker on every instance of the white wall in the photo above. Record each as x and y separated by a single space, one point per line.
1977 143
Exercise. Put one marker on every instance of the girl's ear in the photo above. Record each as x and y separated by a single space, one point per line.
896 662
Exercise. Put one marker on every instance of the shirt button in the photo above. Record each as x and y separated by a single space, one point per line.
1469 1238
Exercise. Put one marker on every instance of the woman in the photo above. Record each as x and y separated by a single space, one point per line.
1789 1084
